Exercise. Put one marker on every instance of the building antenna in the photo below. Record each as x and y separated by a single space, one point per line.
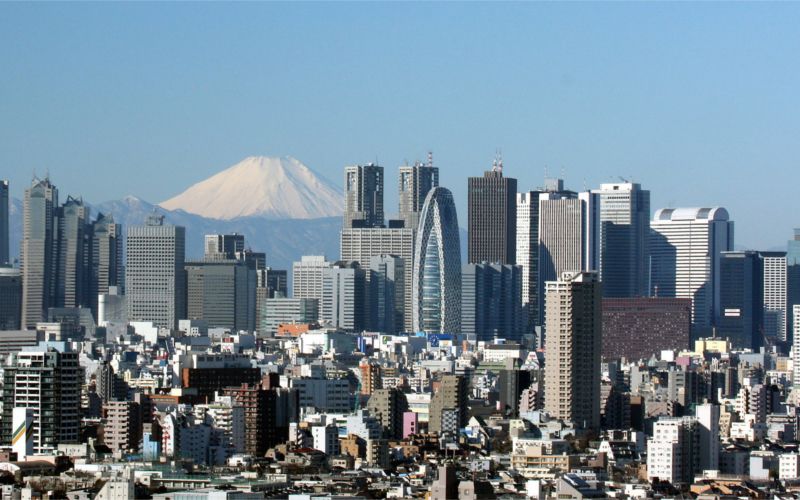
430 159
500 160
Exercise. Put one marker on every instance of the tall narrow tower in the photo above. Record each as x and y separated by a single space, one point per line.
4 234
574 338
38 253
492 217
415 182
363 197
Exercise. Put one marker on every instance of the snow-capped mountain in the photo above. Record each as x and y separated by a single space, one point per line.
275 188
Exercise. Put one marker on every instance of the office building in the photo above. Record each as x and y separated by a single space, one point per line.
415 181
362 244
38 256
741 285
10 298
223 246
573 319
387 292
363 197
307 276
154 275
568 234
106 262
491 306
638 328
527 255
775 295
448 409
282 311
72 275
492 217
344 296
686 245
624 263
5 242
48 381
708 435
792 278
796 346
436 288
221 292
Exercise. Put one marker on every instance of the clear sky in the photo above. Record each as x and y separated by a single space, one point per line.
700 102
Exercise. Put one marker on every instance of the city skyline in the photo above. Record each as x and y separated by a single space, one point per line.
558 95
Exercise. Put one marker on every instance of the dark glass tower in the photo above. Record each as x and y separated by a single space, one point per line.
492 217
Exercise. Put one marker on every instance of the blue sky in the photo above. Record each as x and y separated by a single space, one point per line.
700 102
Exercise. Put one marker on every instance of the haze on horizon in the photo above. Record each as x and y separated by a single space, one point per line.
698 102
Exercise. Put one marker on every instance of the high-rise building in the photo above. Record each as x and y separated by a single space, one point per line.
10 298
221 292
5 257
491 306
307 276
796 346
362 244
415 183
528 256
792 278
448 409
72 278
223 246
673 453
568 234
38 256
154 275
363 197
637 328
624 239
775 295
48 381
436 288
492 217
343 296
741 288
122 428
105 258
280 311
573 320
387 289
708 430
685 248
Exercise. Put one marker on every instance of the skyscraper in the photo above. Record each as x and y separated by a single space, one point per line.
574 338
436 289
223 246
219 291
307 276
362 244
793 277
72 282
490 302
685 249
492 217
624 239
568 235
387 293
775 295
38 256
343 296
741 285
106 258
528 256
4 235
154 275
415 181
363 197
10 298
